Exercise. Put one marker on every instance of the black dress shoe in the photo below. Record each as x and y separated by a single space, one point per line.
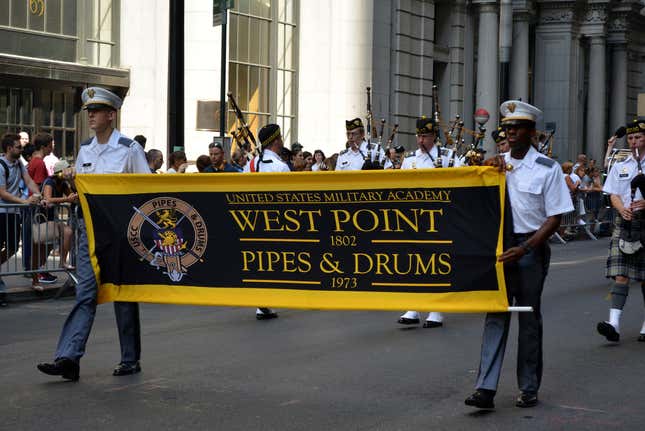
608 330
266 316
641 337
64 367
482 399
127 369
432 324
406 321
526 399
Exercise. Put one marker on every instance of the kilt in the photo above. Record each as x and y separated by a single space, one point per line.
631 266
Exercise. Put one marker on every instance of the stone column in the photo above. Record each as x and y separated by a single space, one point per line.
519 80
597 101
487 67
618 94
457 43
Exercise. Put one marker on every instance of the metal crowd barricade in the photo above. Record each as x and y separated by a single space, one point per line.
34 240
592 215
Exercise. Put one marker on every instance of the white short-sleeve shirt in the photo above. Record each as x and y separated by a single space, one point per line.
422 160
619 180
350 160
536 190
271 162
120 155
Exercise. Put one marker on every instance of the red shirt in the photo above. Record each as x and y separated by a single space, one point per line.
37 170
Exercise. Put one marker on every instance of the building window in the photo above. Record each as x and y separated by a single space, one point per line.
262 63
50 111
59 119
101 33
16 110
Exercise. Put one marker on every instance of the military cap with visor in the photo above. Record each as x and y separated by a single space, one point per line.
518 113
100 98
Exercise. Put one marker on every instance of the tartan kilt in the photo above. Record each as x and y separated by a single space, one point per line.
631 266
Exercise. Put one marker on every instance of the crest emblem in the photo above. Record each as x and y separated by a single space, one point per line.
168 233
511 107
91 93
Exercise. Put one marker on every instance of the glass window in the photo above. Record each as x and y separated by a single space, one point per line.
37 15
19 13
69 17
4 13
257 63
53 16
27 106
232 37
58 107
243 39
4 105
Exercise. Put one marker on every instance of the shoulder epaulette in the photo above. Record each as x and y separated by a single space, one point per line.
343 152
267 161
86 142
545 161
126 142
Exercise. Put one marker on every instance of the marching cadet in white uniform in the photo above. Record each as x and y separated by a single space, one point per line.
268 160
626 261
426 157
538 196
108 152
359 152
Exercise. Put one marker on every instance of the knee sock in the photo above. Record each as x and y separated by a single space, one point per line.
614 318
619 295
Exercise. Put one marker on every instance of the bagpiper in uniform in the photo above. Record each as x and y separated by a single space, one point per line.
268 161
499 136
538 196
360 153
107 152
425 157
626 259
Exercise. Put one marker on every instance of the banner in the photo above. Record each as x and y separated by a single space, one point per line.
379 240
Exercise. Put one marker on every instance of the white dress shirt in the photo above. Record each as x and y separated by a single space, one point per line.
112 157
350 160
422 160
619 180
271 162
536 189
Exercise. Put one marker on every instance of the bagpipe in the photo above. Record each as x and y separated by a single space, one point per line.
632 235
243 137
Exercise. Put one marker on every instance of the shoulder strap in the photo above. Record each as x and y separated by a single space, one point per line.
126 142
545 161
86 142
6 172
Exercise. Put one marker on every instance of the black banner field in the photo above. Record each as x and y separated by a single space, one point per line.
424 239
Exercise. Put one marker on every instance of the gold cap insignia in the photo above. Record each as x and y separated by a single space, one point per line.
641 125
511 107
91 93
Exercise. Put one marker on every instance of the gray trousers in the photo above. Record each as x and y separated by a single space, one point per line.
524 283
78 325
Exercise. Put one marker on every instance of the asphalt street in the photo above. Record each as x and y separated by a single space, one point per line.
218 368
